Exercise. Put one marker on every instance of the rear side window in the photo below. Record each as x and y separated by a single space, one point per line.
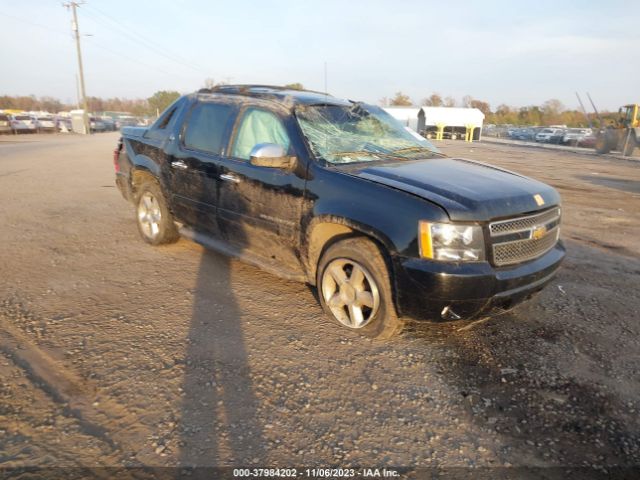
167 118
206 127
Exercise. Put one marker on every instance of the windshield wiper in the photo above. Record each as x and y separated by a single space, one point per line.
416 149
383 155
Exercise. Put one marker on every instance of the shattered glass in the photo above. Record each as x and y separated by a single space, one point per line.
359 133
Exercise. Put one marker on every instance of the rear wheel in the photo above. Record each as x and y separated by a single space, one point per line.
155 222
354 288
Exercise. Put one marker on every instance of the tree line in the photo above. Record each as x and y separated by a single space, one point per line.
551 112
139 107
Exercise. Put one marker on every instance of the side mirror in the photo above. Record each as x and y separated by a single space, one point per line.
270 155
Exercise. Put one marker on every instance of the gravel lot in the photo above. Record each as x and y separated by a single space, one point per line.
116 353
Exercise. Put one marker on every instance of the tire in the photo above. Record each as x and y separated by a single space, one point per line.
631 145
602 145
353 275
154 220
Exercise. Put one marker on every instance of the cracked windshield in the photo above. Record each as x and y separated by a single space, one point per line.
359 133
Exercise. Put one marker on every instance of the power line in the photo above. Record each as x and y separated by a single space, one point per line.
131 59
136 37
28 22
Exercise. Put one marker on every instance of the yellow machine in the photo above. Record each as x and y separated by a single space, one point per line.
623 134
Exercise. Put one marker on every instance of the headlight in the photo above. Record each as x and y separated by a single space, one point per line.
451 243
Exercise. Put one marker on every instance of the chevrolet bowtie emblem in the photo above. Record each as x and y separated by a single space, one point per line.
538 232
539 200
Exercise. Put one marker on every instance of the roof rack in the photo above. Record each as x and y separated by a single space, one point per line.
247 89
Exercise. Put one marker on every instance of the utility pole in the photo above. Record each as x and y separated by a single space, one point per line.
83 94
584 111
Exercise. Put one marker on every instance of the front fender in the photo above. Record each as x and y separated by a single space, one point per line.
385 214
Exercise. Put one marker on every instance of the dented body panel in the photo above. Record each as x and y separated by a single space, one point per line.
282 219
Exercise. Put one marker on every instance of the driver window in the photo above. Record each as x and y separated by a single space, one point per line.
259 126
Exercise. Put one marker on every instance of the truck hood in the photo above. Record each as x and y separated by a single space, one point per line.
467 190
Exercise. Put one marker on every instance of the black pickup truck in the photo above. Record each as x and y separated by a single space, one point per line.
338 194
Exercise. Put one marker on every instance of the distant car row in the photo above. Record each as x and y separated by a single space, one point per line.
26 123
582 137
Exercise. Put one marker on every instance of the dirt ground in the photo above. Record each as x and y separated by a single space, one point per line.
115 353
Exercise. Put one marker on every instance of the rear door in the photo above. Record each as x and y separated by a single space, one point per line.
193 163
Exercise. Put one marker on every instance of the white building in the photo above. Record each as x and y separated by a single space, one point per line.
451 117
427 119
408 116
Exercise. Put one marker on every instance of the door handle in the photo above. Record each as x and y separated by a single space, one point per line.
229 177
179 164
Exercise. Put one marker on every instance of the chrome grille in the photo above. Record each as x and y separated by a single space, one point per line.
523 250
524 223
514 240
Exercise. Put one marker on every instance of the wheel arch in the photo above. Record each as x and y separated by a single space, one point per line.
139 174
324 231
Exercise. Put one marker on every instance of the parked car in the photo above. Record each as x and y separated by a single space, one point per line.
557 136
109 123
338 194
526 134
22 124
588 141
125 121
5 123
63 124
574 136
545 134
44 124
96 125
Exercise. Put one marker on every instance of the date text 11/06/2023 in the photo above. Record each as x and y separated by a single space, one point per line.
328 473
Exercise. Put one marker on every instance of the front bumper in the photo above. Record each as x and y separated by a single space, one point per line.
424 288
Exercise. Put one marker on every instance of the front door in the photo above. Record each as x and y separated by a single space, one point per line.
259 208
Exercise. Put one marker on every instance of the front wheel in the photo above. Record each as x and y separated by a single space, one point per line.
355 289
155 222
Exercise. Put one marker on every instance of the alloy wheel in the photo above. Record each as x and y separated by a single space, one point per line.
350 292
149 215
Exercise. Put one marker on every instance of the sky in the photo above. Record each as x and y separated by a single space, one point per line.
512 52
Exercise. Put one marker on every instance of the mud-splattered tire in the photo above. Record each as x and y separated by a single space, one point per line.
355 290
154 220
631 145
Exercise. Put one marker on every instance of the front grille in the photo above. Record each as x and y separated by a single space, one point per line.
522 239
524 223
524 250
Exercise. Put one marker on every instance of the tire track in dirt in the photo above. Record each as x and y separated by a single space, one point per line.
81 399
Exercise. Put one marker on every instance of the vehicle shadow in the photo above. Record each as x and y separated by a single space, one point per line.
219 424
